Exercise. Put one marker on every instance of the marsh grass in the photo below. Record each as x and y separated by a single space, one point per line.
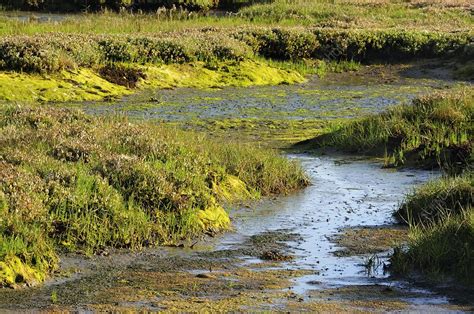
440 215
441 249
318 67
432 202
363 14
76 183
414 15
434 130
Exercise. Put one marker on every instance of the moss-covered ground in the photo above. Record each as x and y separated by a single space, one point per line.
88 85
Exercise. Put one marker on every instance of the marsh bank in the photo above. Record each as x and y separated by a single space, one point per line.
282 254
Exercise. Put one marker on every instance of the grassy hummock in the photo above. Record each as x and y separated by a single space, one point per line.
441 237
438 199
75 183
434 130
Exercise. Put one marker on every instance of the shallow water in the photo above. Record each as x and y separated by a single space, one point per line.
40 17
337 96
344 193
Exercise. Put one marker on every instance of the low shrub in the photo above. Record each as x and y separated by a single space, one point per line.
53 52
28 55
278 43
363 45
76 183
152 50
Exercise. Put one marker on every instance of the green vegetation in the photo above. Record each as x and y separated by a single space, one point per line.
95 5
63 67
55 52
364 14
75 183
441 216
109 82
268 132
71 182
435 130
440 250
438 199
69 59
441 238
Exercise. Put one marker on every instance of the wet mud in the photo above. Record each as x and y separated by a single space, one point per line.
282 256
338 95
324 248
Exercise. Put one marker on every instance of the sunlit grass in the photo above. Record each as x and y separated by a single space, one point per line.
77 183
441 248
415 15
435 130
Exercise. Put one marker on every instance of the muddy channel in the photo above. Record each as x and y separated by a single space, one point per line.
324 248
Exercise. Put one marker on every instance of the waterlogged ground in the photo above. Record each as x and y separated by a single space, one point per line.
343 95
283 255
285 113
35 16
322 249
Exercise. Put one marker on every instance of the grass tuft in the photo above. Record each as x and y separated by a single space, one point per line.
440 250
434 130
432 202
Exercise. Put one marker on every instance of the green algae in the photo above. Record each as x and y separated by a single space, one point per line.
245 73
77 85
232 189
87 85
279 133
15 272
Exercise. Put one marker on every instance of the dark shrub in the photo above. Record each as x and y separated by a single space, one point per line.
122 75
